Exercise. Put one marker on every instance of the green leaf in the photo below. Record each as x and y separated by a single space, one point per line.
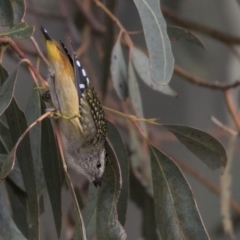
135 96
142 67
3 75
18 7
6 13
108 226
53 171
119 71
5 138
175 208
117 143
204 146
33 112
7 89
178 33
20 30
8 229
158 43
17 125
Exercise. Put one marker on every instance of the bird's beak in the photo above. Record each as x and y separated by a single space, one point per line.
45 33
97 182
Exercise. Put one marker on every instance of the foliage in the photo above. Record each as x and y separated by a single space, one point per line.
31 161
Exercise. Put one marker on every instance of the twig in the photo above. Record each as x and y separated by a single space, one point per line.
232 109
202 83
211 32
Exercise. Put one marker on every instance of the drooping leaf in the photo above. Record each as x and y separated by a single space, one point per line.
203 145
3 75
142 67
119 71
178 33
108 226
17 125
5 137
33 112
53 171
135 96
18 7
175 208
116 141
8 229
6 13
7 89
20 30
158 43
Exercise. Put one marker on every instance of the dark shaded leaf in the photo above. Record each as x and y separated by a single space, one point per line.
108 226
5 137
203 145
20 30
158 43
8 229
135 95
17 125
18 201
178 33
116 141
3 75
119 71
175 208
33 112
142 67
53 171
6 13
18 7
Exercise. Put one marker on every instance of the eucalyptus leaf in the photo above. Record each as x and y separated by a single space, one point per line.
6 13
175 208
108 226
5 138
119 71
18 7
158 43
8 229
203 145
178 33
117 143
20 30
142 67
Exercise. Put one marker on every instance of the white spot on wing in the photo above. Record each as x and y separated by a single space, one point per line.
78 63
82 86
84 73
87 80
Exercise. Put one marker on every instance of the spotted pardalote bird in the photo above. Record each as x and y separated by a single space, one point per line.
81 119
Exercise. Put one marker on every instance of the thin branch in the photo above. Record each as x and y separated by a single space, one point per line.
201 82
211 32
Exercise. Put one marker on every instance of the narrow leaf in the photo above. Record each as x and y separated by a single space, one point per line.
178 33
5 138
108 226
135 96
18 7
142 67
8 229
119 71
158 43
17 126
175 208
3 75
20 30
117 143
6 13
204 146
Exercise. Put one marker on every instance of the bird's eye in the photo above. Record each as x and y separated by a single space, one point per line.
99 164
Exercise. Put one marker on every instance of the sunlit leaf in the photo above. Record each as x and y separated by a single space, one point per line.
8 229
20 30
18 7
203 145
178 33
117 143
158 43
135 96
175 208
6 13
142 67
17 125
119 71
108 226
